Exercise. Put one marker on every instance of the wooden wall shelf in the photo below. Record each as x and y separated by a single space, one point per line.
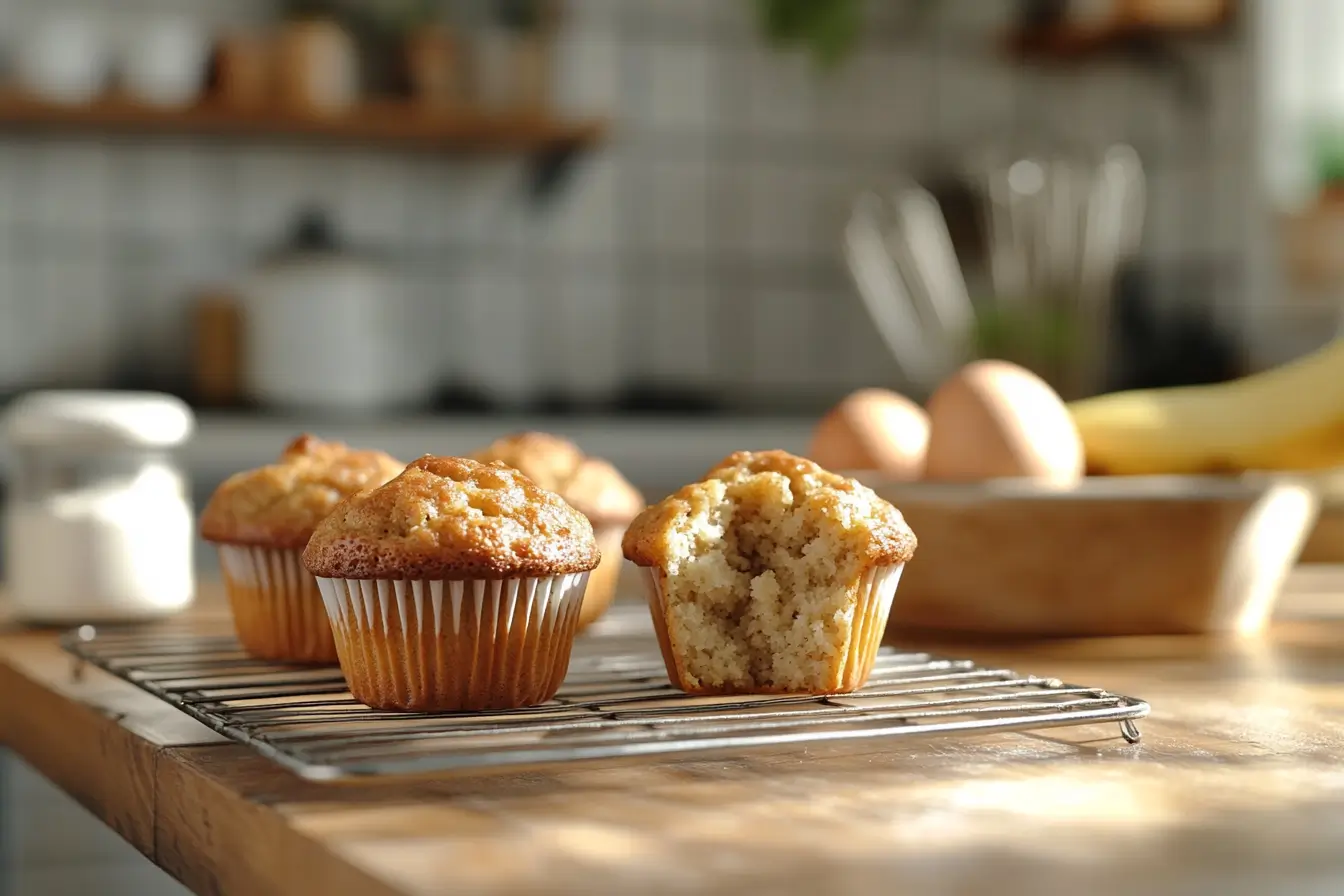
389 125
1068 43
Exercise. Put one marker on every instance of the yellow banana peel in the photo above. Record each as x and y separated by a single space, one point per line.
1288 418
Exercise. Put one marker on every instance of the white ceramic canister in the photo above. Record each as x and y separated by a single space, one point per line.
328 331
64 59
99 522
164 61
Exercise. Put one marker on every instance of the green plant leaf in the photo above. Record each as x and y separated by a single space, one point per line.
828 29
835 29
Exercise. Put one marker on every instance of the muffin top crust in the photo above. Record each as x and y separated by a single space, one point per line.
771 484
453 518
593 486
280 504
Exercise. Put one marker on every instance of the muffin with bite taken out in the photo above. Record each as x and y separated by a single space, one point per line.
771 575
260 521
457 586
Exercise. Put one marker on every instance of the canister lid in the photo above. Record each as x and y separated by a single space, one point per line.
144 419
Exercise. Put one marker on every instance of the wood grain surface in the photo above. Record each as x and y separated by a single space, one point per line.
1237 787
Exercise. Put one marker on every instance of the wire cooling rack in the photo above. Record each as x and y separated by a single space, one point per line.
616 702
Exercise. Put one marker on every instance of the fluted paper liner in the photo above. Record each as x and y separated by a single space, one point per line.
277 609
445 646
874 594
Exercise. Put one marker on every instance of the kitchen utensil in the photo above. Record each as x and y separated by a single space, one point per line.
99 524
1113 226
1073 217
326 330
65 59
903 262
1058 224
934 264
1131 556
164 61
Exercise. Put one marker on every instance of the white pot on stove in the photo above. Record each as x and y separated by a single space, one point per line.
328 331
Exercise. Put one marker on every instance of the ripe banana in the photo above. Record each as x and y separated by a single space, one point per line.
1288 418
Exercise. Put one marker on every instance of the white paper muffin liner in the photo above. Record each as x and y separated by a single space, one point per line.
277 609
875 592
445 646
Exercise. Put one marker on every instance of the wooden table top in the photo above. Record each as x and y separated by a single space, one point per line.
1237 787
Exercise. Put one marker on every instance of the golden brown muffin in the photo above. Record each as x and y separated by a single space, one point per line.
260 521
592 486
279 505
456 586
771 575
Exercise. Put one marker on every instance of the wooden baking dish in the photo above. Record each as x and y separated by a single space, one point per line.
1112 556
1326 543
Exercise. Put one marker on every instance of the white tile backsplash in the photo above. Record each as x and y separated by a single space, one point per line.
699 18
781 93
680 334
587 72
434 203
72 187
600 16
881 94
499 332
1096 109
728 176
15 341
976 97
372 200
581 350
676 87
168 191
1172 213
78 320
1231 106
13 173
486 208
676 221
782 340
976 19
584 219
782 224
269 186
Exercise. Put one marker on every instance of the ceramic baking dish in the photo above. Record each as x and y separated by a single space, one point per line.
1111 556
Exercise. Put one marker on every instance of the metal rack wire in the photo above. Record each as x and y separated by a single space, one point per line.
616 702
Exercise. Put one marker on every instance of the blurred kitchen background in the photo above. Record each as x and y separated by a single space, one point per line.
417 225
628 214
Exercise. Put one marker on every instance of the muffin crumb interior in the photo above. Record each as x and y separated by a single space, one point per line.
762 564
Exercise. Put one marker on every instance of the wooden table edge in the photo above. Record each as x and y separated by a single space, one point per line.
146 785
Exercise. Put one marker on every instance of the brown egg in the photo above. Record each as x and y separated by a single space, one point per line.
995 419
873 429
